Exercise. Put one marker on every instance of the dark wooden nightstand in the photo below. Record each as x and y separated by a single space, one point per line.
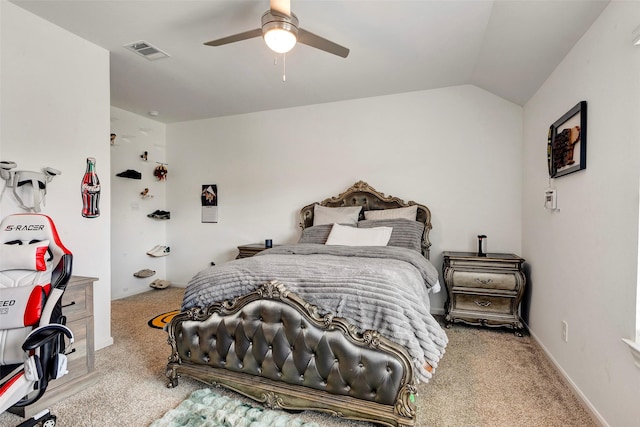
484 291
246 251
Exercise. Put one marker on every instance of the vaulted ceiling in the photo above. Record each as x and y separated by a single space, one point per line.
506 47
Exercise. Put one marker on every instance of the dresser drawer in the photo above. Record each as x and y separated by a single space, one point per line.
77 302
78 360
483 303
474 279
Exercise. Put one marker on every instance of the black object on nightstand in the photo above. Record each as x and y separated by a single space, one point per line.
484 290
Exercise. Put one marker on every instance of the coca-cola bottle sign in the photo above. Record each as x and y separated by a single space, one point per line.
90 190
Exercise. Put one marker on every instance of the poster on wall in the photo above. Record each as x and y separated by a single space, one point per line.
209 200
567 142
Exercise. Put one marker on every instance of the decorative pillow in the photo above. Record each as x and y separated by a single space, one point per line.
406 233
410 212
24 257
318 233
341 215
350 236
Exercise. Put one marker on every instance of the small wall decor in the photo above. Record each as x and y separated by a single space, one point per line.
90 190
29 187
567 142
161 171
144 155
144 194
209 201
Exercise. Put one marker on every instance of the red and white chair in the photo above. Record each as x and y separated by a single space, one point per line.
34 342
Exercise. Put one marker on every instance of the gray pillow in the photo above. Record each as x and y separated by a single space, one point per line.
406 233
317 234
340 215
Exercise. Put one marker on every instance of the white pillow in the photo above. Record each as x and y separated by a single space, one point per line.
350 236
24 257
341 215
410 212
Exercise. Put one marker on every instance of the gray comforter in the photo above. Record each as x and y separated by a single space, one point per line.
381 288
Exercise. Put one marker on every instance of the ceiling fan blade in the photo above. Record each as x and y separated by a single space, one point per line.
236 37
281 6
310 39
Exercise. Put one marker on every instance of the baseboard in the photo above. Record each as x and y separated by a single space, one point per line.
595 415
104 343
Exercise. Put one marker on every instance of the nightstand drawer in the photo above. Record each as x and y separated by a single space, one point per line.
468 279
484 303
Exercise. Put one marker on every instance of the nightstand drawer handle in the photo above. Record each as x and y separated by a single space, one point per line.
483 281
482 303
69 305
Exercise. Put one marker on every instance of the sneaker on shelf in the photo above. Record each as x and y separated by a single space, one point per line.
160 284
159 251
144 273
158 214
154 249
130 173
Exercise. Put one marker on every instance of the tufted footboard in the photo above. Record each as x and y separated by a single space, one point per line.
272 346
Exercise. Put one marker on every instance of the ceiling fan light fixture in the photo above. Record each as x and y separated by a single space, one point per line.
280 40
280 32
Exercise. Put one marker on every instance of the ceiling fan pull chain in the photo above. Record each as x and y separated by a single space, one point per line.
284 67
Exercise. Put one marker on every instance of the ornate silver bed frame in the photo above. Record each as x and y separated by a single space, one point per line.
272 346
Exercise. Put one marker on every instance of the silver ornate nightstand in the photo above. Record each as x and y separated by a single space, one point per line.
484 290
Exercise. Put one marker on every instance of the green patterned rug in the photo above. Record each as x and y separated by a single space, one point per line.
204 408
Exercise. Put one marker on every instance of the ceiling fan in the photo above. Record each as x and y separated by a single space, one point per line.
280 31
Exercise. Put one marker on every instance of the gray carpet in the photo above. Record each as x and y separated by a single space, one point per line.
487 378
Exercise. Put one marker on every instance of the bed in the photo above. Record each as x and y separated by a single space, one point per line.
338 322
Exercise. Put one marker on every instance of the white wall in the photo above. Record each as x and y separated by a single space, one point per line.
132 232
458 150
55 112
583 259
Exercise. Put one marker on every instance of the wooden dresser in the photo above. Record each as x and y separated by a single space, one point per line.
484 291
77 306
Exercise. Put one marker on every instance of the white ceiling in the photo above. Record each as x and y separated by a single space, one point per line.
506 47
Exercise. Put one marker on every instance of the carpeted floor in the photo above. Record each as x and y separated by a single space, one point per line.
487 378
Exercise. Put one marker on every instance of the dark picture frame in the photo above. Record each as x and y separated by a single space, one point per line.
209 201
567 142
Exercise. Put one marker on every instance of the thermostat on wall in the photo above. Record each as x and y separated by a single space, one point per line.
550 199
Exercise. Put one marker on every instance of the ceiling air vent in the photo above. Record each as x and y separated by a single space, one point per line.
146 50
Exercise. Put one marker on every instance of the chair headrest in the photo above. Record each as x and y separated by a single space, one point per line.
28 228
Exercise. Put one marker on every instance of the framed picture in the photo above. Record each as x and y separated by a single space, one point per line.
209 201
567 142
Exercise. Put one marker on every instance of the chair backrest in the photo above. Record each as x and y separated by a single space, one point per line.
34 270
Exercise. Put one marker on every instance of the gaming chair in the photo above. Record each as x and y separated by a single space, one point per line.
34 270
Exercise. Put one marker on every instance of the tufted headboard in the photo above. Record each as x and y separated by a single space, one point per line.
362 194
